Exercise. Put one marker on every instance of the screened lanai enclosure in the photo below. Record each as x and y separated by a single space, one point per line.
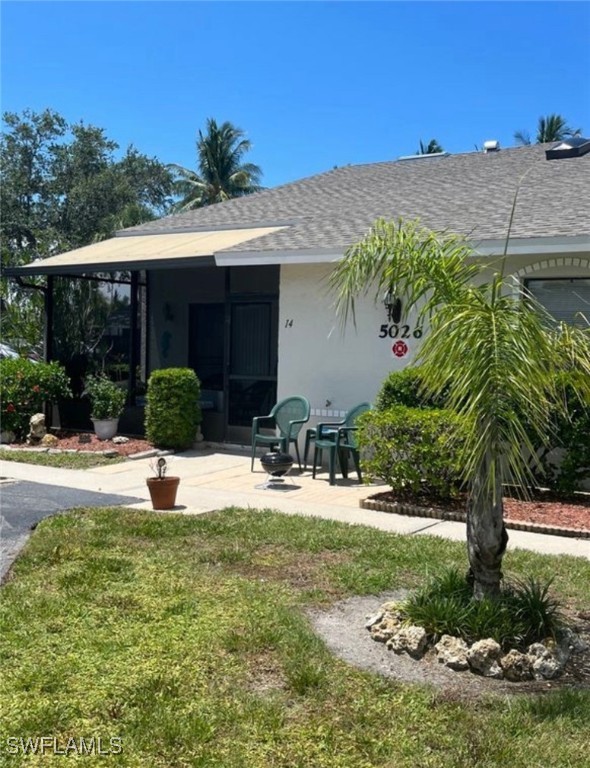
220 321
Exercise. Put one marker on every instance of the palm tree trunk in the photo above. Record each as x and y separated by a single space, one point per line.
486 535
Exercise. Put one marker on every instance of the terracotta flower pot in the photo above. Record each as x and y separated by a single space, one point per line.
163 491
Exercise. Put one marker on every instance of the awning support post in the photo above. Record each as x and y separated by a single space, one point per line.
133 338
48 331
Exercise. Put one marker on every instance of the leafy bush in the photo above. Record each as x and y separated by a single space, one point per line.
405 388
26 386
107 399
172 411
413 450
570 433
523 613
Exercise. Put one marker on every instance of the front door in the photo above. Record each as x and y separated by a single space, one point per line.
233 348
252 364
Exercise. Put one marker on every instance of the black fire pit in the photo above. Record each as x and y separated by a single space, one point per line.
276 465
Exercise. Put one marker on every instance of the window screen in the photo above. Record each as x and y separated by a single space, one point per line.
565 299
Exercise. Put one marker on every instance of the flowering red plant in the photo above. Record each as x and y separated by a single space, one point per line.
26 386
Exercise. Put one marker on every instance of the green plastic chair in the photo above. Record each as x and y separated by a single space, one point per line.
328 430
339 439
288 416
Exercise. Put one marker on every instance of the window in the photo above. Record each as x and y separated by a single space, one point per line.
566 299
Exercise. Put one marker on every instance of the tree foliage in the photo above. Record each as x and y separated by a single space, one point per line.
549 128
65 186
432 148
221 171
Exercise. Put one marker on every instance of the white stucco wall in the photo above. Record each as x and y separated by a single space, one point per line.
317 359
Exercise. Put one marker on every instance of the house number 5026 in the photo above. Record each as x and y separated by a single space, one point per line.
399 332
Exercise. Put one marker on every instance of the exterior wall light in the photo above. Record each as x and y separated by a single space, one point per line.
393 306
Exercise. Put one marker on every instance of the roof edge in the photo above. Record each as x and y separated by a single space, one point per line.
516 247
204 228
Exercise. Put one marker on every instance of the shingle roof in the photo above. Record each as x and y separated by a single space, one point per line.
471 194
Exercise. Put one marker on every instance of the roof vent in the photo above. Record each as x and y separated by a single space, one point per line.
491 146
574 147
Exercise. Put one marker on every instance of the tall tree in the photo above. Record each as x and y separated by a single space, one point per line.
432 148
495 354
221 171
549 128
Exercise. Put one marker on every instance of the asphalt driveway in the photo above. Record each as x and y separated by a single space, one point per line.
24 504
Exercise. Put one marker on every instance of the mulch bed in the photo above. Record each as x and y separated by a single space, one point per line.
68 441
543 508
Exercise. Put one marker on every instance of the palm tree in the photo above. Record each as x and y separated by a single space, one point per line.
221 173
494 354
549 128
429 149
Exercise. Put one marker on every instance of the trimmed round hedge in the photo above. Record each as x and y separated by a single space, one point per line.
414 449
172 412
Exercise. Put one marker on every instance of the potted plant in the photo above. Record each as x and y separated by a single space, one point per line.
162 489
107 404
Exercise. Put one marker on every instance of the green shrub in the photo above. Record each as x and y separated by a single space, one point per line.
531 602
25 387
523 613
172 411
571 434
405 388
413 449
107 399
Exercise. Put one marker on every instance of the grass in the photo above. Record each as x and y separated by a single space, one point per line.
186 637
82 460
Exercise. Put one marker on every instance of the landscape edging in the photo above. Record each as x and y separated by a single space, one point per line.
411 510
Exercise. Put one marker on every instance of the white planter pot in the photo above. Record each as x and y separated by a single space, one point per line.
105 429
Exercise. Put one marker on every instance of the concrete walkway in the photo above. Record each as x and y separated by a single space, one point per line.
213 479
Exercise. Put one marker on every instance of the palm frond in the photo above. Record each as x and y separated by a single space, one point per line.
414 263
523 138
490 353
221 173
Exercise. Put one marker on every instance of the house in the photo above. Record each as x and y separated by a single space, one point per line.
238 290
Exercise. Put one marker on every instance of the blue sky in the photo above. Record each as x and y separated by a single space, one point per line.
314 84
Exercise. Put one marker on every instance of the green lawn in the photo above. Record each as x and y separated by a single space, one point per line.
83 460
185 637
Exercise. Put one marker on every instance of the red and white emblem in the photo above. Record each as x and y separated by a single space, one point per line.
400 349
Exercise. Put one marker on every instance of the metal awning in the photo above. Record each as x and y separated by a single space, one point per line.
142 252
